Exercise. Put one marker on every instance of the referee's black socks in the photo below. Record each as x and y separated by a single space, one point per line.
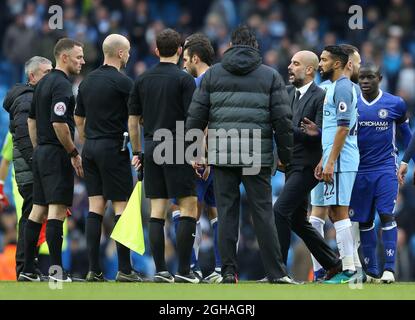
185 239
54 238
93 238
124 262
31 234
156 237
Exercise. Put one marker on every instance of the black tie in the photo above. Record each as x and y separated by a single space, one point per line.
295 106
297 96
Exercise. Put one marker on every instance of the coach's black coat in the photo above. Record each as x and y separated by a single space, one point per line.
17 104
307 149
242 93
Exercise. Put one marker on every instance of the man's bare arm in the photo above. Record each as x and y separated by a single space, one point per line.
64 136
80 126
31 124
134 132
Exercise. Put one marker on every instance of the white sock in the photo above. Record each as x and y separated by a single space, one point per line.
356 244
318 224
344 240
175 213
198 239
213 221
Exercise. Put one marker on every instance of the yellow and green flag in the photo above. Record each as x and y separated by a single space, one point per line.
129 228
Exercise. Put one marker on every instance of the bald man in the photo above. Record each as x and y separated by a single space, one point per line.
101 116
290 210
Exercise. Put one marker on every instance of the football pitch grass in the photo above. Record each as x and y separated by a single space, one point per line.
240 291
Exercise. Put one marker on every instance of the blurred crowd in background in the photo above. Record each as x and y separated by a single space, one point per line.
283 27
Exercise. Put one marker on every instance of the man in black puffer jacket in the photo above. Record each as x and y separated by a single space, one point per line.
248 102
17 104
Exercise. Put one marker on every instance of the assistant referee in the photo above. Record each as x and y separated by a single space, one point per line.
161 96
51 129
101 117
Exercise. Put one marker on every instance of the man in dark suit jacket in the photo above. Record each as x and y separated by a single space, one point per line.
306 100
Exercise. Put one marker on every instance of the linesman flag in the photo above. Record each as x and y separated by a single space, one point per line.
129 228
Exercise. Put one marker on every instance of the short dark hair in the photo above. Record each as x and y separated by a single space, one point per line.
349 49
168 41
338 54
243 35
199 44
371 65
65 44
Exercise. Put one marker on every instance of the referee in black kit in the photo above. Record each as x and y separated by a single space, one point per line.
160 97
101 116
51 129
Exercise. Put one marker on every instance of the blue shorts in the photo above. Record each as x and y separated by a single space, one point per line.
373 191
317 195
204 191
337 193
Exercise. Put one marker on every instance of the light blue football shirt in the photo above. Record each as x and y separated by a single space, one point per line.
340 109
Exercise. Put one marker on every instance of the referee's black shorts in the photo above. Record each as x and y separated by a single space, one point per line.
167 181
107 169
53 176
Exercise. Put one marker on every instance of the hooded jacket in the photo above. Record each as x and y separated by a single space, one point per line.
241 94
17 104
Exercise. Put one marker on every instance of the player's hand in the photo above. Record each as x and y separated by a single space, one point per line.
328 173
403 170
281 167
77 165
318 171
309 127
136 162
206 173
4 202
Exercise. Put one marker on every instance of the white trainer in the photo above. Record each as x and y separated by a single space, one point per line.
370 279
387 277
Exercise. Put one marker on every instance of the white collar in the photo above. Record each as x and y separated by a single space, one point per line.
304 89
374 100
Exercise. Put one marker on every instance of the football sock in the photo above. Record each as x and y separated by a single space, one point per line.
93 237
389 238
54 238
214 224
185 239
344 241
368 241
175 217
31 234
318 224
196 246
356 245
123 253
156 238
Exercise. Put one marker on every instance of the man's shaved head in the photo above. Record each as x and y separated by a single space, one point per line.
302 68
309 58
113 43
116 46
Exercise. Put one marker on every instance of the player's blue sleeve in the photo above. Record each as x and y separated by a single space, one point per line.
406 133
410 151
343 100
401 108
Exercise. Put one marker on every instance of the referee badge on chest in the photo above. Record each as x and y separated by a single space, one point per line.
59 108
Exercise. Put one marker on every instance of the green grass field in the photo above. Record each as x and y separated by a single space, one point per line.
241 291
